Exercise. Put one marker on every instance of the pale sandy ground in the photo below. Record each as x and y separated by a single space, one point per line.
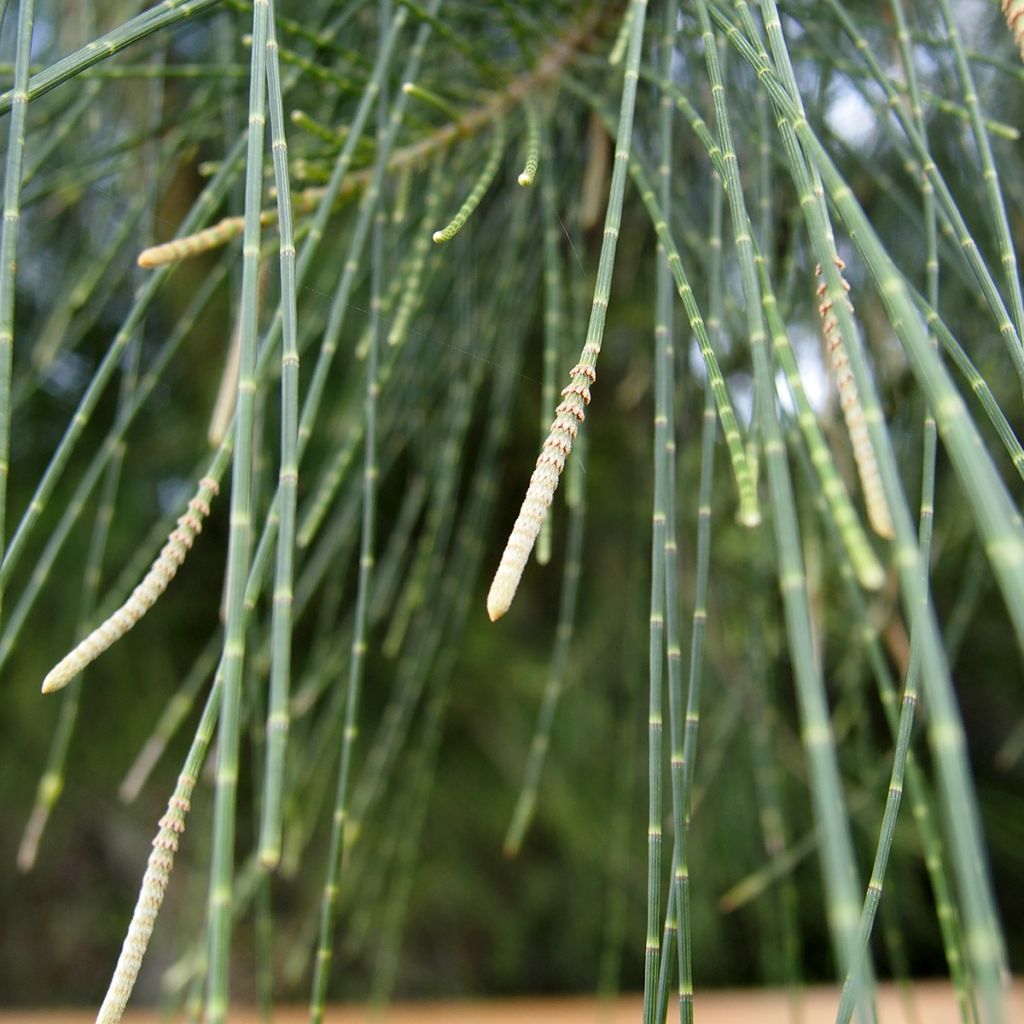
933 1004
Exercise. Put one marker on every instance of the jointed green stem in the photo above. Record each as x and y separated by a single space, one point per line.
665 489
165 14
947 205
387 131
9 244
989 174
839 865
239 543
211 196
280 672
994 514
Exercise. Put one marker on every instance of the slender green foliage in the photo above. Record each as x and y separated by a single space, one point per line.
480 186
529 172
288 479
239 544
994 515
363 706
9 243
839 865
163 15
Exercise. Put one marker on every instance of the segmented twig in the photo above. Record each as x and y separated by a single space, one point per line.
144 596
151 896
1013 11
569 414
853 414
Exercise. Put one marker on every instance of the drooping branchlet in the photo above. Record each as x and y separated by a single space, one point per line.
143 597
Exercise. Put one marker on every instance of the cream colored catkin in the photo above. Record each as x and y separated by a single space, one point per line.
191 245
853 414
143 597
569 414
151 896
1013 11
199 242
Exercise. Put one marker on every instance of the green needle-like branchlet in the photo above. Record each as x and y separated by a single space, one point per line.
412 379
288 479
839 864
239 541
387 131
162 15
994 513
431 98
9 244
529 172
480 186
665 496
203 206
